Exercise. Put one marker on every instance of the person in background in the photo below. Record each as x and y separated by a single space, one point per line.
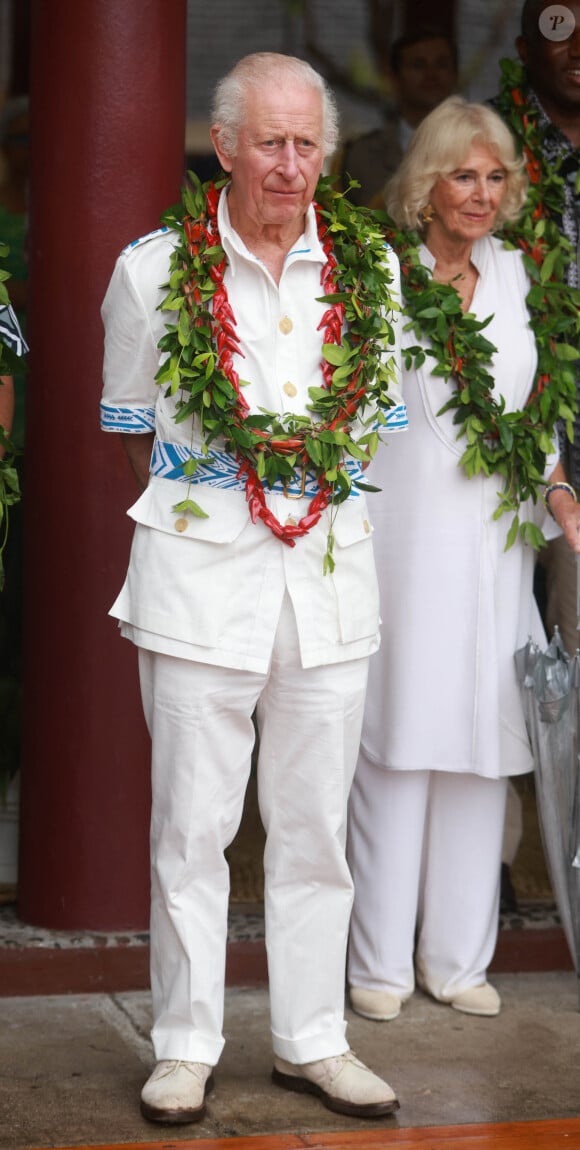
545 118
540 102
227 600
444 724
14 170
423 72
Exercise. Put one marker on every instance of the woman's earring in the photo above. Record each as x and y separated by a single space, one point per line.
427 214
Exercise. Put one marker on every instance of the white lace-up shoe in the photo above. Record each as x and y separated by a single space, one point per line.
176 1092
343 1083
378 1005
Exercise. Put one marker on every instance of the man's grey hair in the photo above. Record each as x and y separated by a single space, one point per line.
257 70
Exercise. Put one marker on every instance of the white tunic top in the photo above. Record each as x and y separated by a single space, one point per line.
213 592
455 606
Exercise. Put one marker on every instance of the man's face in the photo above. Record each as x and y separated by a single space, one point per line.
279 156
426 75
553 66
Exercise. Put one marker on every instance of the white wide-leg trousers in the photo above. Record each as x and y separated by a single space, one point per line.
424 849
200 720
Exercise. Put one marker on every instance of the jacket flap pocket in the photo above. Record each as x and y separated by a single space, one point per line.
352 523
226 512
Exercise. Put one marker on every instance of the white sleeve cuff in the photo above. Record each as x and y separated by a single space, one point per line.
133 419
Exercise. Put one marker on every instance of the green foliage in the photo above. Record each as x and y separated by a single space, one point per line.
357 368
189 505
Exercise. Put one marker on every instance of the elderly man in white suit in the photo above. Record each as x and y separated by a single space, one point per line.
228 618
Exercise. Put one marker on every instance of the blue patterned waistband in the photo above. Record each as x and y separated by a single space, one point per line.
220 469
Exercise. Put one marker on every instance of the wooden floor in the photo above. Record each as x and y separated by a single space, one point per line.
553 1135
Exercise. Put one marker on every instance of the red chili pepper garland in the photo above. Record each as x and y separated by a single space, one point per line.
201 343
227 344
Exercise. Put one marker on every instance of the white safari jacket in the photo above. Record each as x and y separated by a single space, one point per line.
213 591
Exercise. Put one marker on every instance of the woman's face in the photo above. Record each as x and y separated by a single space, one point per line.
466 201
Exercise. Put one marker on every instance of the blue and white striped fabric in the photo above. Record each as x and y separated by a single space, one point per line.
220 469
397 418
144 239
10 333
134 419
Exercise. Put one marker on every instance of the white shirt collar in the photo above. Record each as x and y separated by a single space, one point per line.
307 246
478 254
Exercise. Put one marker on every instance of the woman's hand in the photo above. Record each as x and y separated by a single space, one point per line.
139 448
561 502
566 512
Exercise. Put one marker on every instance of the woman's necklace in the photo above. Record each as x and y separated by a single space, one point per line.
356 373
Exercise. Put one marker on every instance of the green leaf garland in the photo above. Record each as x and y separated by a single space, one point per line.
356 328
510 444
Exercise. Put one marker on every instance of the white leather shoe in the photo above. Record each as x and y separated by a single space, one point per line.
343 1083
176 1092
378 1005
482 999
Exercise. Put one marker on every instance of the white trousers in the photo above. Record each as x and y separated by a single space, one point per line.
425 850
200 720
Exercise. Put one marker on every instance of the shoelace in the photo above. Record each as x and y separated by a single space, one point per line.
172 1065
340 1061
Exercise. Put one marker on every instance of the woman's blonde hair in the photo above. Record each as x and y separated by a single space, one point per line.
440 146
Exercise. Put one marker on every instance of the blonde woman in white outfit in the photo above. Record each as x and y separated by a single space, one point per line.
443 725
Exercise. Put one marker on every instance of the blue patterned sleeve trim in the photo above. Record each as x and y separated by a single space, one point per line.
397 419
133 420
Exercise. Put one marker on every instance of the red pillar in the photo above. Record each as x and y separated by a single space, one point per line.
108 126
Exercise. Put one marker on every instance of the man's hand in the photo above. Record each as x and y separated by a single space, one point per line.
139 448
6 405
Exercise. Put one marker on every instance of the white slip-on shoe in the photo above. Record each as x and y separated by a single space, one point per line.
343 1083
378 1005
482 999
176 1091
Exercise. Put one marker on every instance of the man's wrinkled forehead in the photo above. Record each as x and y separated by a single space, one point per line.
288 109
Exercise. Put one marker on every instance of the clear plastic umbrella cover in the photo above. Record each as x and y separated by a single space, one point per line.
550 686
